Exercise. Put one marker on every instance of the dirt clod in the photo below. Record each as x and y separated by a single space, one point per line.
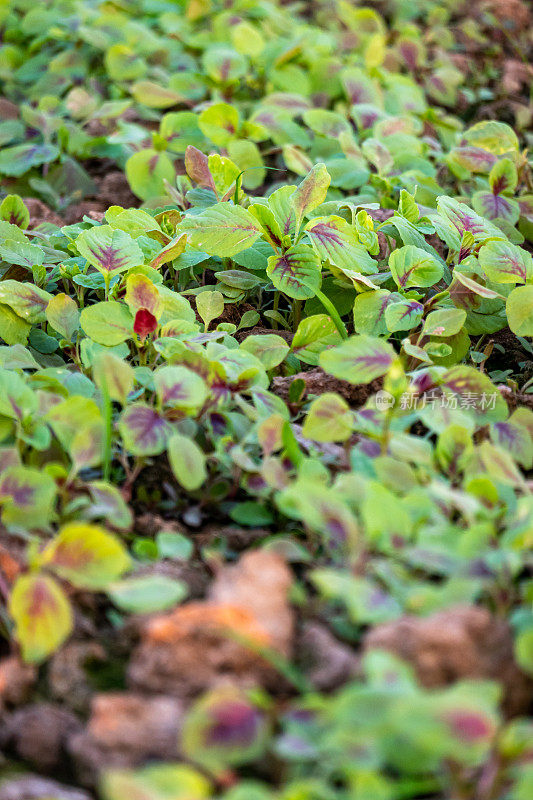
195 646
318 382
33 787
126 730
16 681
38 734
327 662
466 642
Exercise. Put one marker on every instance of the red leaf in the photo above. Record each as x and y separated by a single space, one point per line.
145 323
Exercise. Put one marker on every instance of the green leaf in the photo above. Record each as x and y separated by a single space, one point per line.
180 388
444 322
296 273
269 348
144 431
22 157
503 262
329 419
222 229
359 359
311 192
155 782
154 96
147 172
412 266
314 334
109 250
336 240
220 123
63 315
42 615
27 497
108 323
209 305
187 462
86 555
147 593
520 310
13 329
13 210
27 300
403 315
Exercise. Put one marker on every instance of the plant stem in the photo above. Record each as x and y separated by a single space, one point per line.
108 430
332 311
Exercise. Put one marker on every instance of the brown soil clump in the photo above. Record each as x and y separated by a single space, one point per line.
466 642
126 730
201 644
318 382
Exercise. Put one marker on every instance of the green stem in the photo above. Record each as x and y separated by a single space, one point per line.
108 429
332 311
107 281
296 314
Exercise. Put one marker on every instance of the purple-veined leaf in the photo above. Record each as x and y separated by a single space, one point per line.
13 210
335 239
27 300
222 229
329 419
173 249
180 388
109 250
503 177
403 315
108 504
496 206
27 497
144 431
311 192
142 293
504 262
475 392
514 439
86 555
22 157
42 614
466 293
474 159
412 266
296 273
359 359
369 311
280 203
23 254
464 219
109 323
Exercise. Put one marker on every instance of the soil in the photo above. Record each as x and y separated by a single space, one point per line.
317 382
457 644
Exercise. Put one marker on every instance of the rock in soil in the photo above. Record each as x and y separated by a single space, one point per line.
201 644
466 642
318 382
38 734
16 681
33 787
67 677
327 663
126 730
39 213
